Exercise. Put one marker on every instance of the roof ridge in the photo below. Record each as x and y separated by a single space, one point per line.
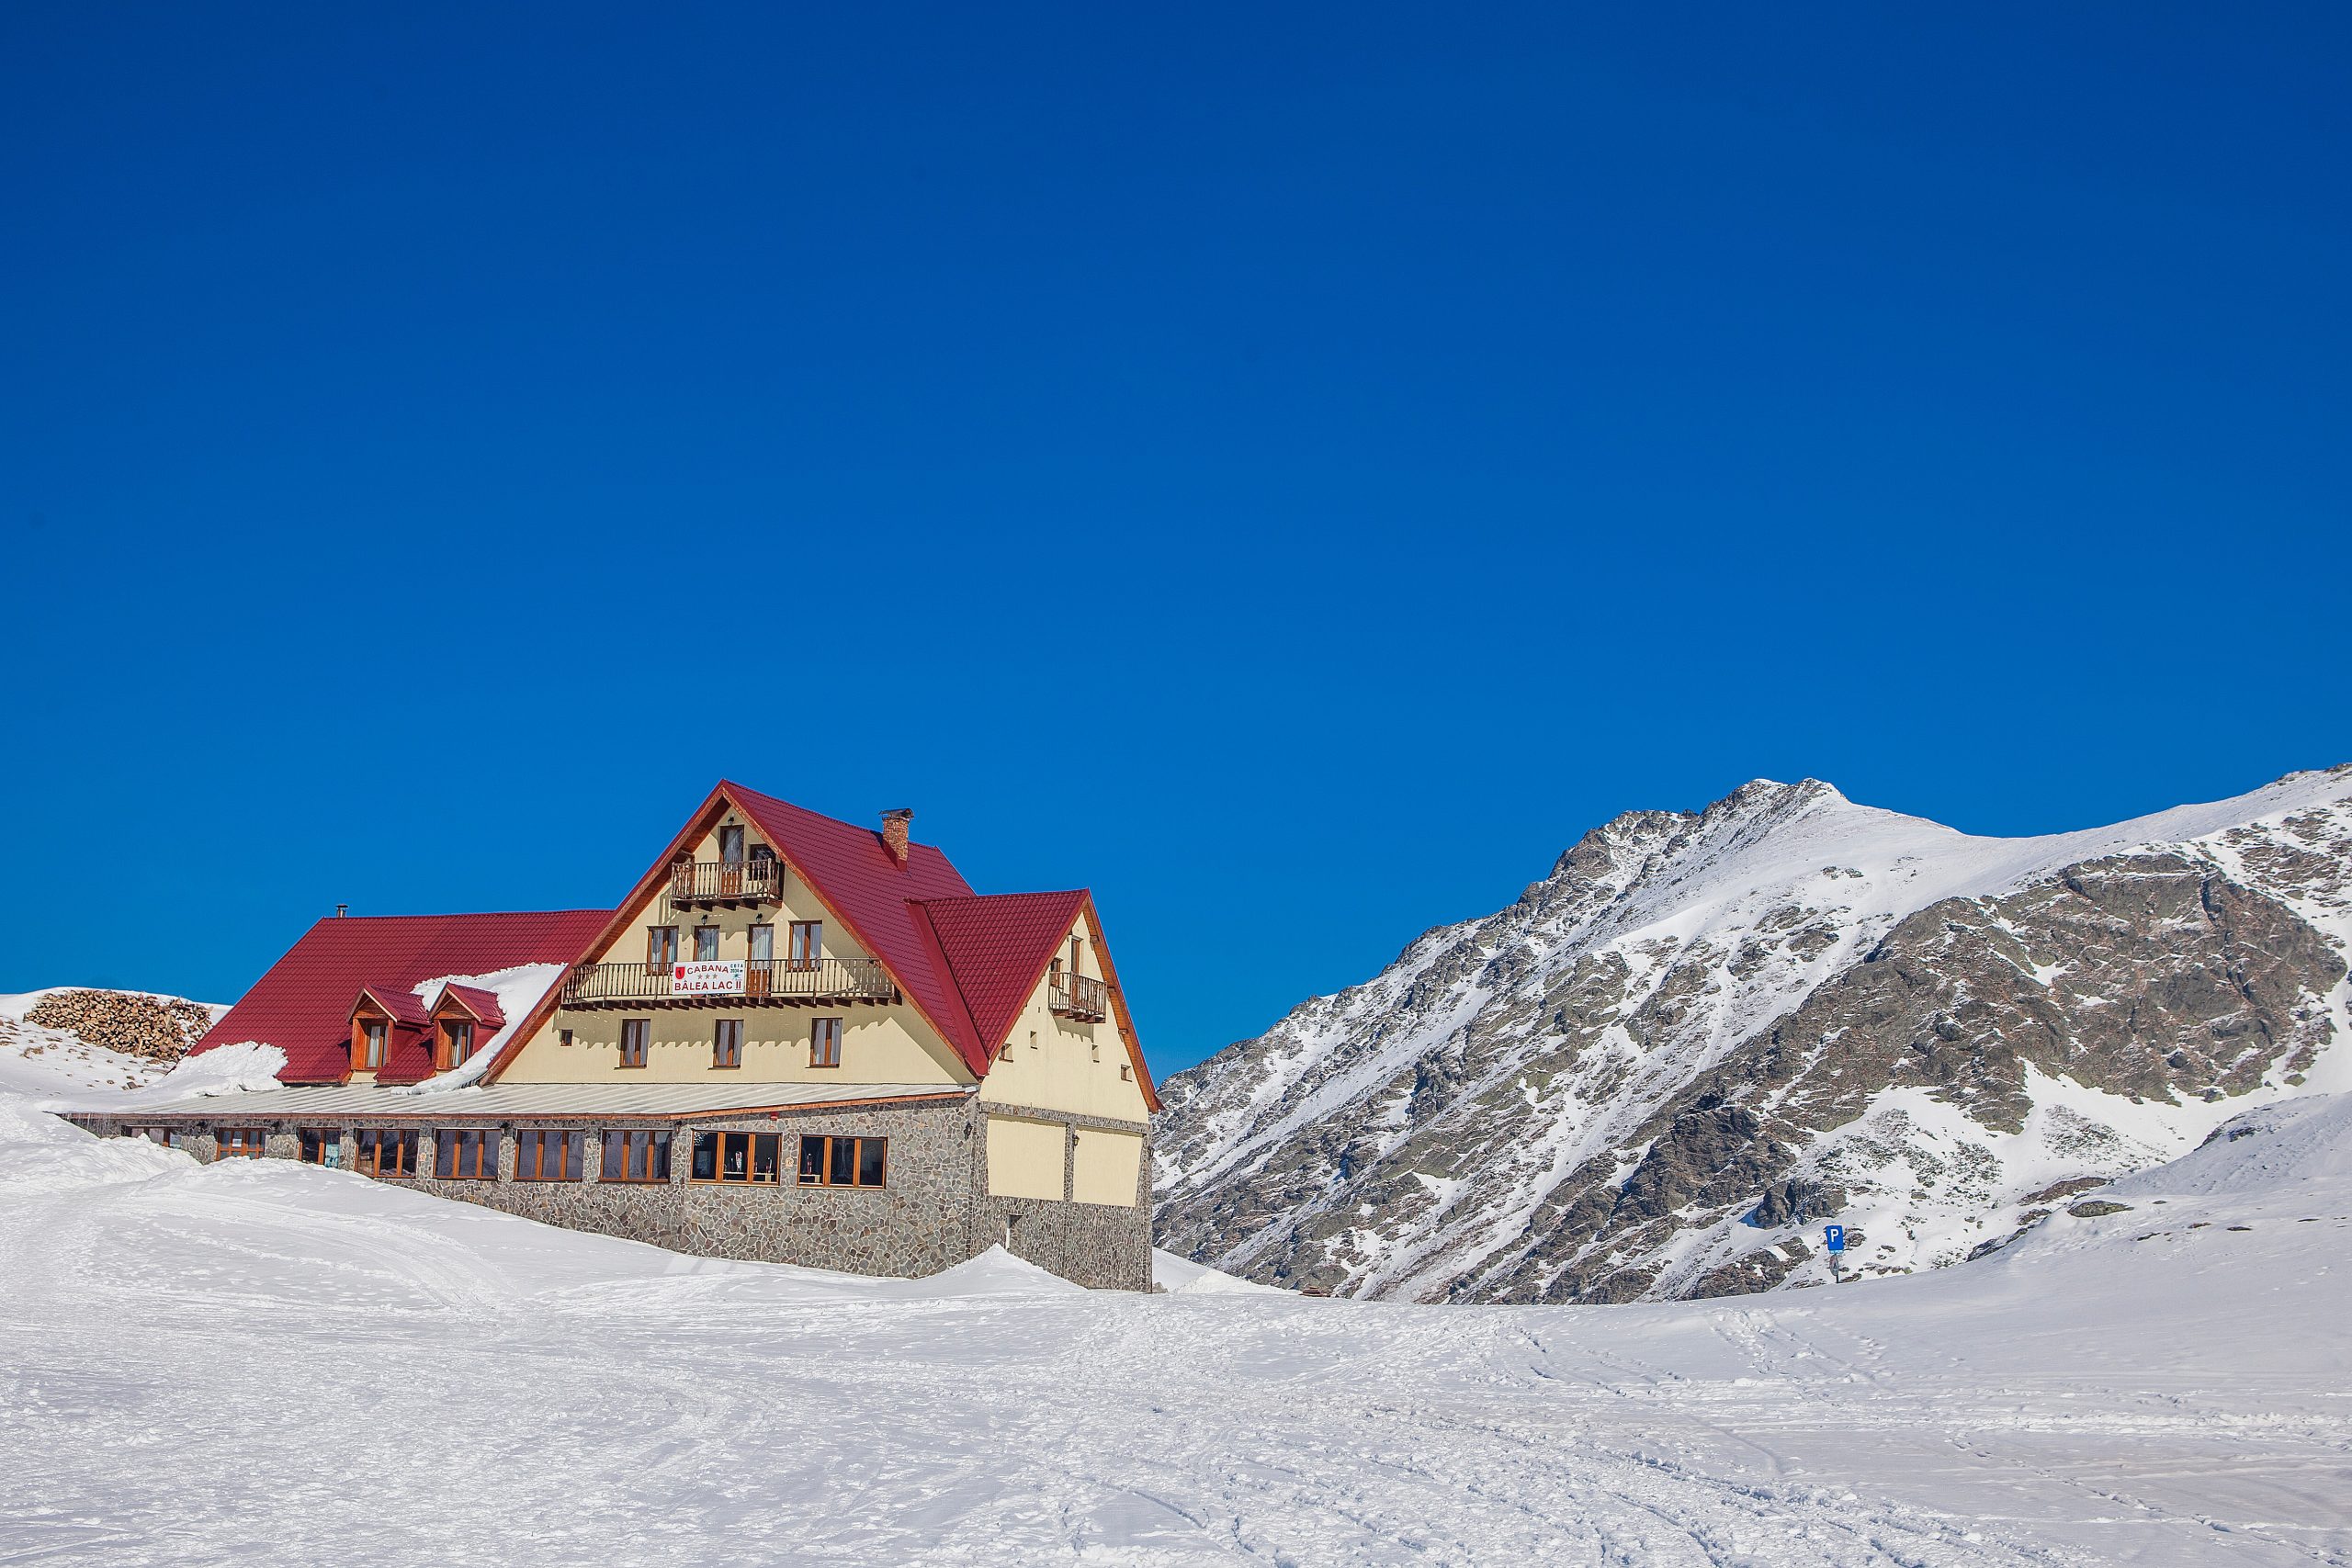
452 915
812 811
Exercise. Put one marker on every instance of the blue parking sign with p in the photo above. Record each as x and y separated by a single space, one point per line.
1837 1237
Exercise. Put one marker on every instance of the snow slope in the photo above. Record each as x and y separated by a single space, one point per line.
1704 1033
40 1061
265 1361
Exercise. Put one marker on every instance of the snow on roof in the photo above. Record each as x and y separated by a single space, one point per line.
303 1004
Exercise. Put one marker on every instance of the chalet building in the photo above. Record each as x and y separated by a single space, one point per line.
796 1040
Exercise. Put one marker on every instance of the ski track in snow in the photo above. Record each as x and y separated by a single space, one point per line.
263 1362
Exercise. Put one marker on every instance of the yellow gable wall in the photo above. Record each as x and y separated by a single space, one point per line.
799 902
1059 1063
880 1045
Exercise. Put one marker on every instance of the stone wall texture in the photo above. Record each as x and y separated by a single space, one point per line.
933 1212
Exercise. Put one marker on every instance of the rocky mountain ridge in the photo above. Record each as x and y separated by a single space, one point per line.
1703 1034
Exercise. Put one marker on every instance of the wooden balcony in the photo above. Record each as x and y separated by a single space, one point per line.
768 982
726 884
1077 997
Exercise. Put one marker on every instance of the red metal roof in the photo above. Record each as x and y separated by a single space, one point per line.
303 1004
397 1001
864 884
483 1004
997 947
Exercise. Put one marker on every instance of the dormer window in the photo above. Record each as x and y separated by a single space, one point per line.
369 1053
456 1043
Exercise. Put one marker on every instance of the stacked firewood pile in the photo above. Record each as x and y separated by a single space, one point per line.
158 1029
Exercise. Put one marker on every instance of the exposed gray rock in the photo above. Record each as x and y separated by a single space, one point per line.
1703 1034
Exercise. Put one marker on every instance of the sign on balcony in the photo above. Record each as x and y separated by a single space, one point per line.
708 977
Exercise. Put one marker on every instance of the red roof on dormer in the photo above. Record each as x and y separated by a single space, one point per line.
397 1002
303 1004
997 947
482 1005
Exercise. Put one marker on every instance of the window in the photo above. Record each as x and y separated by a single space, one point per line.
636 1155
371 1043
808 937
828 1161
466 1154
735 1157
731 846
387 1151
727 1042
547 1154
322 1145
169 1137
763 943
238 1143
825 1042
457 1043
705 943
660 946
633 1033
1073 955
563 1037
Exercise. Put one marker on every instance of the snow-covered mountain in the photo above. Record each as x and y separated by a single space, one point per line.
1703 1034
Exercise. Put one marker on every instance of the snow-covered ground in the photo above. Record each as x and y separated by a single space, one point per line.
258 1361
39 1061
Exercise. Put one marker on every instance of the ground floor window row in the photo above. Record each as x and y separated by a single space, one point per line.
559 1153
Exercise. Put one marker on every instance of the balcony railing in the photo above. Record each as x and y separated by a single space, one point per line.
1078 996
755 881
774 982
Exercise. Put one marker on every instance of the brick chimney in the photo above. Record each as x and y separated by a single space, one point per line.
894 832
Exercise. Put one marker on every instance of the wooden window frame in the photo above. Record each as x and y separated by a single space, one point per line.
447 1142
446 1053
713 932
659 939
742 842
804 944
531 1145
727 1044
635 1172
249 1143
825 1143
368 1155
643 1029
324 1137
825 1029
360 1055
719 1138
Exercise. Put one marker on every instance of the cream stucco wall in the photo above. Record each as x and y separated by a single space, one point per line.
1025 1157
799 902
1058 1063
879 1044
1106 1166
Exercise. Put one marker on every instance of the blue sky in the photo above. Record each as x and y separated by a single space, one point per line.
1291 471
